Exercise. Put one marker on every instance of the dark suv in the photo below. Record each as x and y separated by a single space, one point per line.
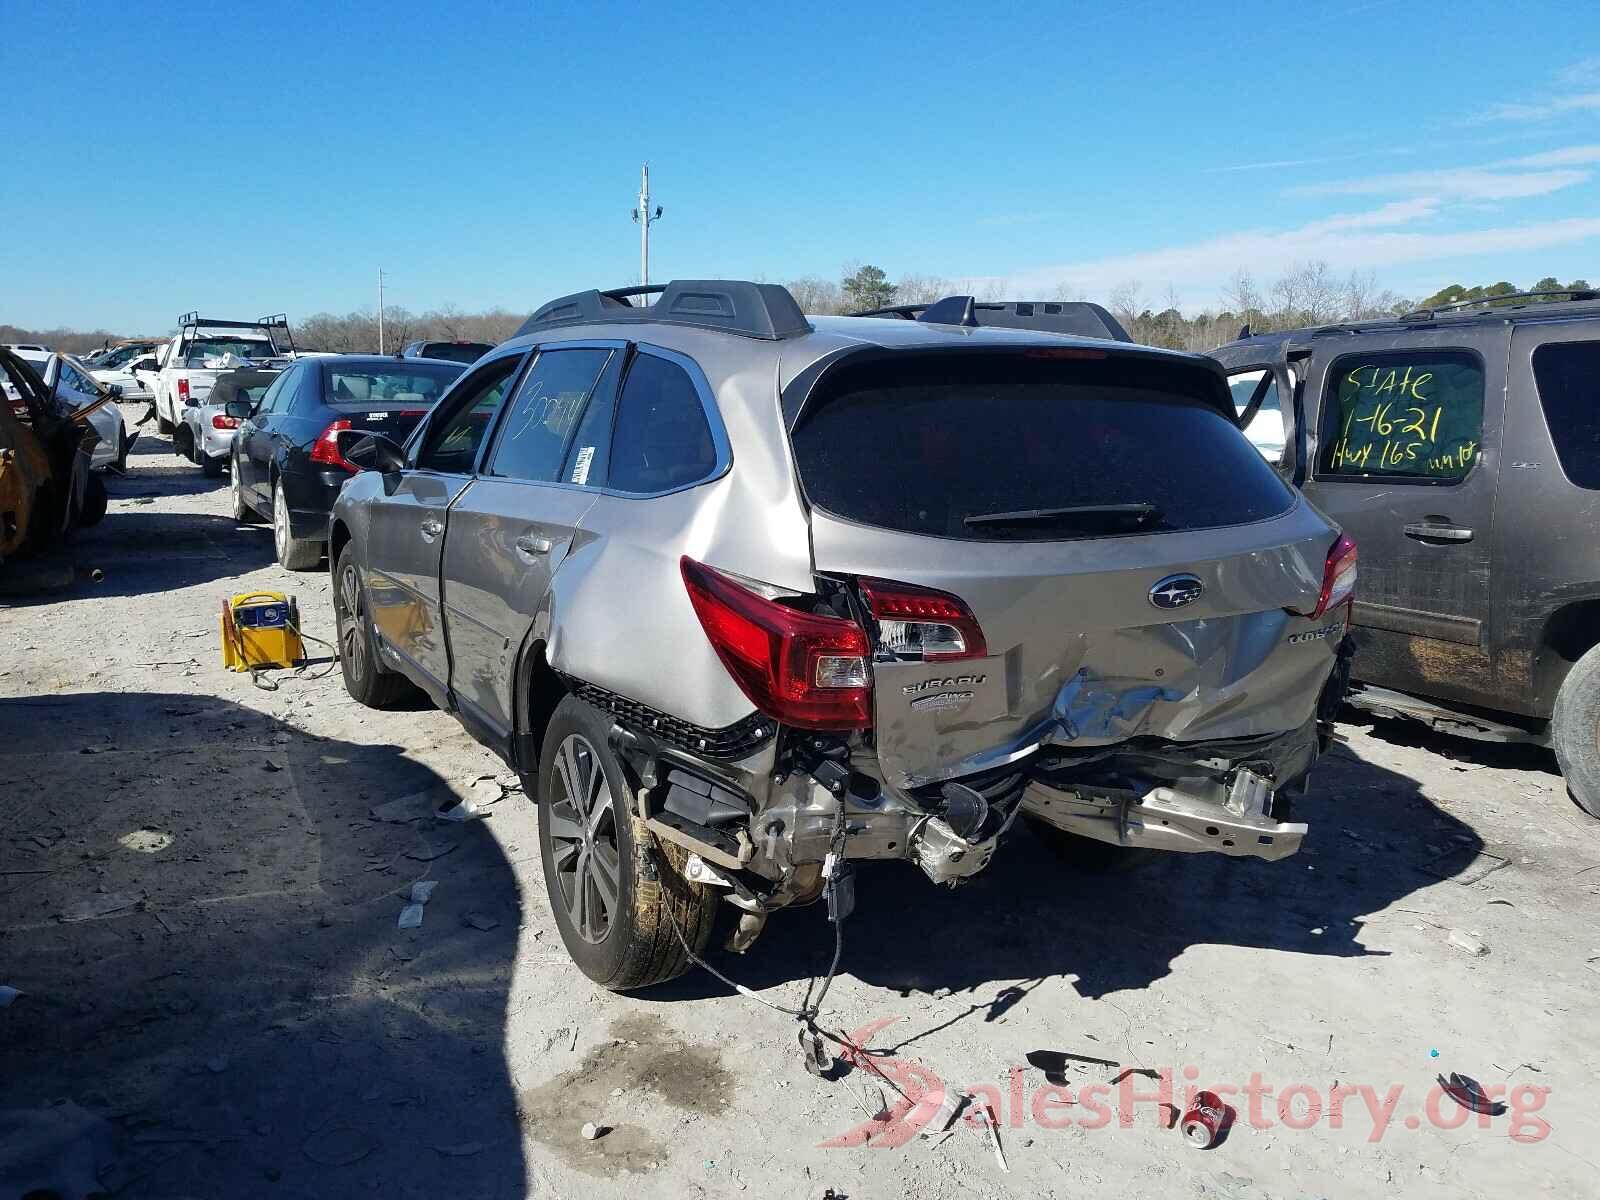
1460 448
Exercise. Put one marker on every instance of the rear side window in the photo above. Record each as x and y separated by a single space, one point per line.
533 437
402 383
1403 416
661 440
1006 447
1568 378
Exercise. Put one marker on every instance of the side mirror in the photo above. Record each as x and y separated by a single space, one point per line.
240 409
144 364
115 389
374 452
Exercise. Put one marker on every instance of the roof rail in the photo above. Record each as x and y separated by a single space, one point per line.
1568 294
1078 317
756 310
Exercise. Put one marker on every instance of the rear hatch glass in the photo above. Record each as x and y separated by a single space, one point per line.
1008 447
1134 565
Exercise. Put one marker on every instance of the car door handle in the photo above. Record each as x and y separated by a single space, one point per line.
430 528
1422 531
532 544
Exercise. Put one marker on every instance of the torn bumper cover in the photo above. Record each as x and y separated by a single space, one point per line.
1223 797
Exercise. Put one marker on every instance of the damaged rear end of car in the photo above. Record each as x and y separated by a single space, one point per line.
1050 582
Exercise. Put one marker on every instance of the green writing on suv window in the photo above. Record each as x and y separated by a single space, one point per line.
1403 416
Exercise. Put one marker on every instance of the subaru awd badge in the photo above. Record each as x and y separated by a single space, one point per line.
1175 591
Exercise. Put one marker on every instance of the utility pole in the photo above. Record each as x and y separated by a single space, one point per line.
380 310
645 218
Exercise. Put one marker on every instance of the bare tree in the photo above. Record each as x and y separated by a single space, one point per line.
1124 301
814 295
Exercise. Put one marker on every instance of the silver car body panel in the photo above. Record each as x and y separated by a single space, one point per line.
1080 656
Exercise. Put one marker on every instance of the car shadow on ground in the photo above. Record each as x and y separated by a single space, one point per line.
1374 839
139 552
203 919
155 469
1511 756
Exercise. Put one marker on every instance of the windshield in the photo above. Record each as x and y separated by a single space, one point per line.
1008 448
201 349
413 382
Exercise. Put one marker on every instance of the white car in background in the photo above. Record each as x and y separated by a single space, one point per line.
116 368
70 379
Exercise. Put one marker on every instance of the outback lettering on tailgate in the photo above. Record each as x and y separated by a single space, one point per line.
1316 635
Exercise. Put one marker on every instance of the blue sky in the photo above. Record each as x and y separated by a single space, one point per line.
275 157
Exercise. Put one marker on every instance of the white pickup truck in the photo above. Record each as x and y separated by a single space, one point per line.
204 348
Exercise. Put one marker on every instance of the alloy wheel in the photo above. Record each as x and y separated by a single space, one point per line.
352 633
583 836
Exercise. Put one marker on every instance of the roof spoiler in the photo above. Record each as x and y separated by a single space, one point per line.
755 310
1078 317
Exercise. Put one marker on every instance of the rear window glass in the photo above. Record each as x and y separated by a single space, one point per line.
202 352
1003 447
1403 416
402 383
1568 378
461 352
661 439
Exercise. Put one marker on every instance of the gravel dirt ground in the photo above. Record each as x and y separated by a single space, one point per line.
200 910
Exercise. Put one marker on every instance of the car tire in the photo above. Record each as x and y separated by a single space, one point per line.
1089 856
121 464
1575 731
163 425
367 680
592 845
242 512
210 465
294 554
94 502
183 442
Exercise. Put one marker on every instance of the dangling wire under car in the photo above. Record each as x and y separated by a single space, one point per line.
839 889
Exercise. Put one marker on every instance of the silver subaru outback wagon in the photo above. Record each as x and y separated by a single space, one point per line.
747 597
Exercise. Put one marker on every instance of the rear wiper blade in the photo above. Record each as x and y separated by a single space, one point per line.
1139 514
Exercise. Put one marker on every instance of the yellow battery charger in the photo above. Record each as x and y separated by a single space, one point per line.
261 629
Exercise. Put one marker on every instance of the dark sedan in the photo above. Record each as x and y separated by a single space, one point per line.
288 453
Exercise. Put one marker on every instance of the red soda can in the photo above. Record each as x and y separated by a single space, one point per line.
1203 1120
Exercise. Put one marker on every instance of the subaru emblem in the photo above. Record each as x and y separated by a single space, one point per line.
1175 591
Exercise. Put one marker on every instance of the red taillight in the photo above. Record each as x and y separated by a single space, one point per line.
1338 578
223 421
183 389
325 449
921 623
798 668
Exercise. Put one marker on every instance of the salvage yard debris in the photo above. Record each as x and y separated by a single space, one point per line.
1471 943
411 914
